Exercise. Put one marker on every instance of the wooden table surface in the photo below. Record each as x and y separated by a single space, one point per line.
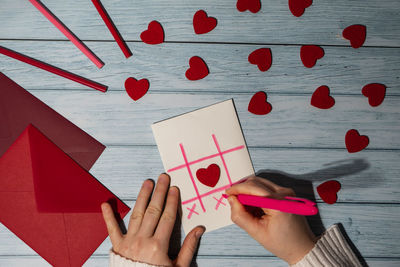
296 143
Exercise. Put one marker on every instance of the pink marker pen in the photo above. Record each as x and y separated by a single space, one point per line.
294 205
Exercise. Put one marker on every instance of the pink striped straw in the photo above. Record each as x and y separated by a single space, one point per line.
67 32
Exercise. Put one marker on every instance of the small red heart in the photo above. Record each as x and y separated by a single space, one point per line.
136 88
203 23
297 7
321 98
154 33
209 176
198 69
262 58
258 104
328 191
252 5
309 55
355 142
375 92
356 34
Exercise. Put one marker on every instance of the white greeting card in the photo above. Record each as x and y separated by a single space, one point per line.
204 152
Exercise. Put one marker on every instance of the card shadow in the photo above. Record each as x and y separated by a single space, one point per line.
302 184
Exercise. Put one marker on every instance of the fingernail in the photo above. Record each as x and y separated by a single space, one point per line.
200 232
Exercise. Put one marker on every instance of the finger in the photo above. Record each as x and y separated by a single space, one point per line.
112 225
140 207
250 187
189 247
154 209
242 218
167 220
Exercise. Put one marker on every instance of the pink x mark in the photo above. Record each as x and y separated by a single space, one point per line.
219 202
192 210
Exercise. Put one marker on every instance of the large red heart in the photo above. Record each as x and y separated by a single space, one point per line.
136 88
356 34
154 33
203 23
261 57
258 104
297 7
198 69
328 191
355 142
321 98
309 55
375 92
209 176
252 5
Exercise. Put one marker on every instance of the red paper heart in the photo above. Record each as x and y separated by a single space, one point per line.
203 23
375 92
198 69
356 34
258 104
309 55
297 7
328 191
355 142
252 5
262 58
209 176
321 98
136 88
154 33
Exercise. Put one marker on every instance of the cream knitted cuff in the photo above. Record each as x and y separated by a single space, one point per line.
331 249
118 261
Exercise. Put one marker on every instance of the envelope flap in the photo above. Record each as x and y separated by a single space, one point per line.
60 184
19 108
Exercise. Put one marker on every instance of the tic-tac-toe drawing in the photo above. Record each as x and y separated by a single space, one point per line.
204 152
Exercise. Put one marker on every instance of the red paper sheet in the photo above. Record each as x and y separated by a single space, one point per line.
52 203
19 108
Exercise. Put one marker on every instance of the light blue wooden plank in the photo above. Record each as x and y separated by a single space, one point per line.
372 228
322 23
369 177
113 118
101 261
344 70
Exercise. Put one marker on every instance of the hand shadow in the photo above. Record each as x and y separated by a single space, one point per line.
302 184
176 238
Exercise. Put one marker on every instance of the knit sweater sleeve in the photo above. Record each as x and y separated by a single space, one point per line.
119 261
331 249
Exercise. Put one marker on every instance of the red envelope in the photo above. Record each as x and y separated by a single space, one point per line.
19 108
51 202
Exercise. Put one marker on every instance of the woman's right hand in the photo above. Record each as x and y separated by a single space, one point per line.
286 235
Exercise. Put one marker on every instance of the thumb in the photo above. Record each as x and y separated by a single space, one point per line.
189 247
241 217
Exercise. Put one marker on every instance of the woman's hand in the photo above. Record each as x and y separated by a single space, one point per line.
286 235
150 227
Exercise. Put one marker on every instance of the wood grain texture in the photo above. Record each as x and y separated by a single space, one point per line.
368 177
344 70
295 140
372 228
114 119
322 23
102 261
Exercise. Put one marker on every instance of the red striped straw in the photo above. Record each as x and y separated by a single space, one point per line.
67 32
50 68
112 28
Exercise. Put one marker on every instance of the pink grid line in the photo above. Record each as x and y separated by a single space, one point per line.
191 177
206 194
222 158
205 158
